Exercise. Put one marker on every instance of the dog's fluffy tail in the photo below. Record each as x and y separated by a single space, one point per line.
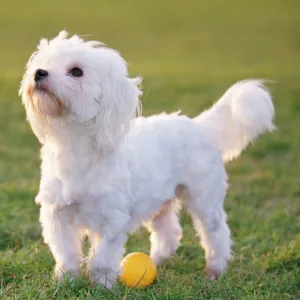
244 112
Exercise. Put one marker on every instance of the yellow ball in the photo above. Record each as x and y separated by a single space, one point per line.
138 270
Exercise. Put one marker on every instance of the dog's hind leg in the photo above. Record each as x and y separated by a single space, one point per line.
205 205
215 239
165 232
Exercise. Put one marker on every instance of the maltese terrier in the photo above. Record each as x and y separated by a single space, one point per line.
106 171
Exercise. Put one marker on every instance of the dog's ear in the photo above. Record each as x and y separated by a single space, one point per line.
119 105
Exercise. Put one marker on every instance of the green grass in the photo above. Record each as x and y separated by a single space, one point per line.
189 52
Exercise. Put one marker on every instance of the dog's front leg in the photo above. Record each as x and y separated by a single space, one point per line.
61 233
105 259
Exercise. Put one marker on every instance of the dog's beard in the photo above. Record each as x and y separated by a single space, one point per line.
45 101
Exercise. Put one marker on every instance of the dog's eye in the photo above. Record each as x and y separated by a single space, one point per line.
76 72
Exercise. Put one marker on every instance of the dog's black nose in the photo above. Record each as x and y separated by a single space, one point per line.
40 74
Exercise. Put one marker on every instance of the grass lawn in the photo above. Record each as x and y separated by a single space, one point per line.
189 52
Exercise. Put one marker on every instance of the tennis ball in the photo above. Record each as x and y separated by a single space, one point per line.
138 270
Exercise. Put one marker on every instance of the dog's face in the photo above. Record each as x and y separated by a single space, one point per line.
70 79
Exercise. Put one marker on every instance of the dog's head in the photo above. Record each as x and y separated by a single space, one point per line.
71 80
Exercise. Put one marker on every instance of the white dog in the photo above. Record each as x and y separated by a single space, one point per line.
106 172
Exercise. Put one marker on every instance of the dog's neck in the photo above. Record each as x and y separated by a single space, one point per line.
71 138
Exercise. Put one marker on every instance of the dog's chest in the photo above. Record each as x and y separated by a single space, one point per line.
83 177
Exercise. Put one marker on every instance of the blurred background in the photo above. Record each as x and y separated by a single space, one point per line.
189 53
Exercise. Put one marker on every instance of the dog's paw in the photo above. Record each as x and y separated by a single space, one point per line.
105 278
213 273
60 273
159 258
160 254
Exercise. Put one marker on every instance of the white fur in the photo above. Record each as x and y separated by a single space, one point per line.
105 172
243 113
